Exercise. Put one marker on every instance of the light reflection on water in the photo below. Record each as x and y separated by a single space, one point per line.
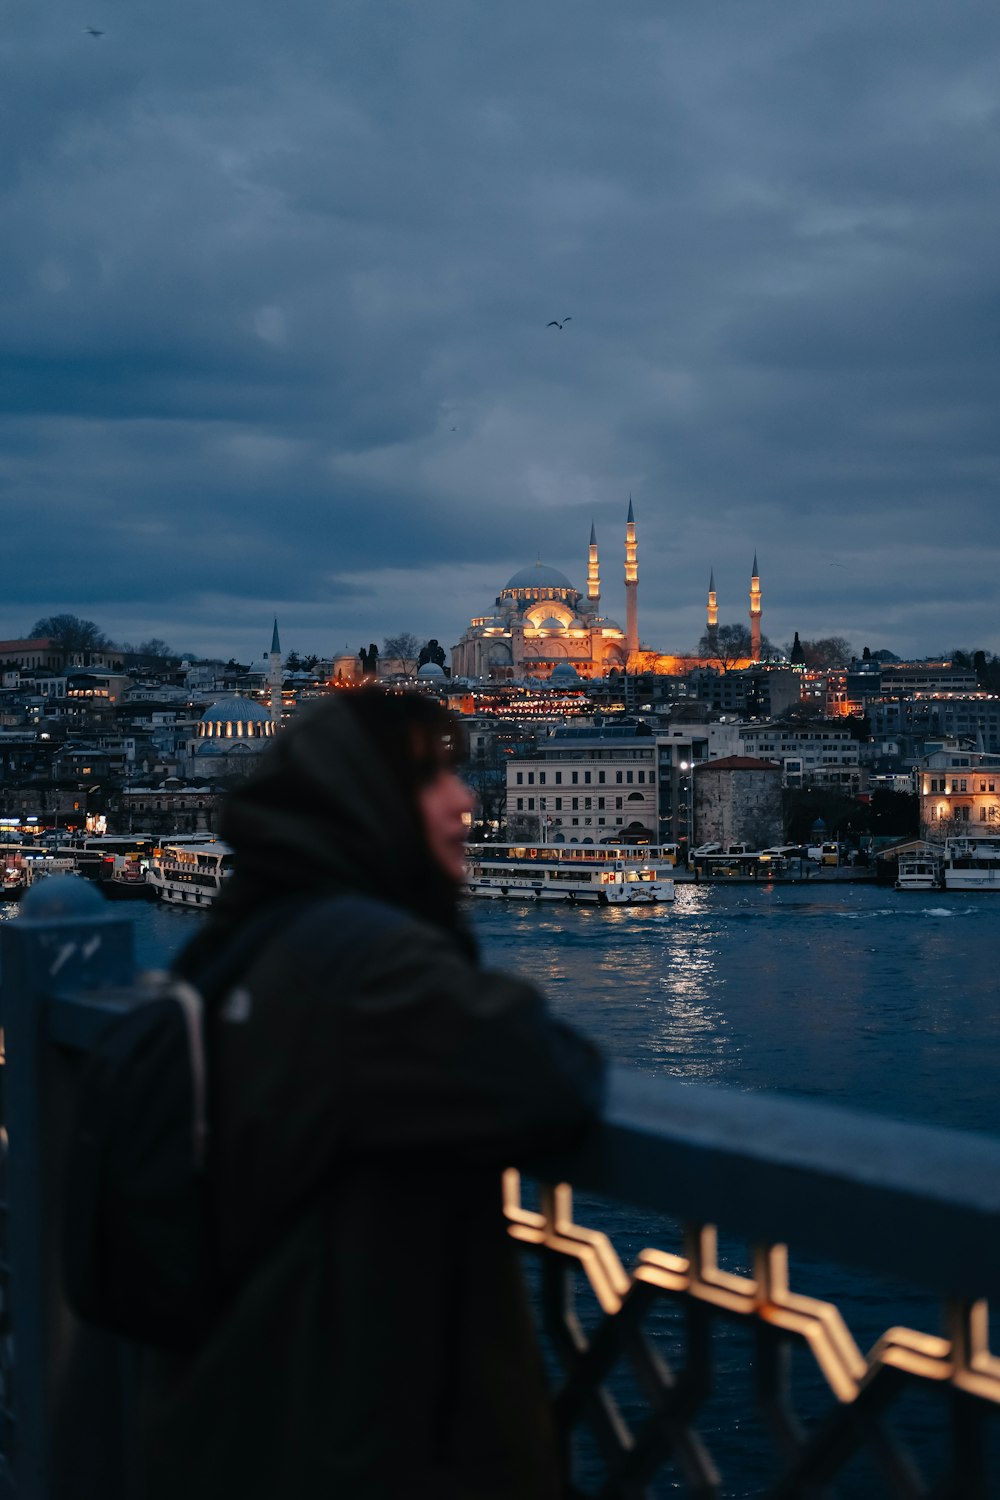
881 999
861 995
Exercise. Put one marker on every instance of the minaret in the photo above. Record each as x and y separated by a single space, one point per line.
755 612
275 677
713 607
593 572
631 584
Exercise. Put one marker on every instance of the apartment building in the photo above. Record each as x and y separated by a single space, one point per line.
821 754
585 785
959 791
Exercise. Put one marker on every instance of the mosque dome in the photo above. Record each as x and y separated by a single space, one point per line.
538 576
564 674
430 669
233 711
235 719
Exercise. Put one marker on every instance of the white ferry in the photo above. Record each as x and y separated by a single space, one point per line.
581 873
190 875
918 872
971 864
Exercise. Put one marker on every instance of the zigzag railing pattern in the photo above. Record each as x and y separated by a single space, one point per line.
661 1441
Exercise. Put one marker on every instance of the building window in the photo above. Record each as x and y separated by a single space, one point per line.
600 804
587 803
600 777
541 778
618 777
520 804
531 778
576 777
520 778
618 803
586 777
558 804
558 778
576 804
531 804
628 777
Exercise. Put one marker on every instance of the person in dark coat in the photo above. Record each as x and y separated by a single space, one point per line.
371 1080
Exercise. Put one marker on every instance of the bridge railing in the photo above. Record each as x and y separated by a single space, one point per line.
903 1200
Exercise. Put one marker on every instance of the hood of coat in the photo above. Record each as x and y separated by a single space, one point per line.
324 812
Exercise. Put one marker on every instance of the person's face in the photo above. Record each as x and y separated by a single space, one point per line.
445 804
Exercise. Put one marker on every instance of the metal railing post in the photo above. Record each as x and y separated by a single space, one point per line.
63 1389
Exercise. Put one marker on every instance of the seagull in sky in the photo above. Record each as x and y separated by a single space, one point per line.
555 324
93 31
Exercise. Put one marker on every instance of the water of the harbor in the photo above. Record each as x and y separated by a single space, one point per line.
851 994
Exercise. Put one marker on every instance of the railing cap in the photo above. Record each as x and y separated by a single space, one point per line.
62 898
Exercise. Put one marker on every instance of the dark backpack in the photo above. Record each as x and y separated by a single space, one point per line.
136 1251
138 1255
138 1244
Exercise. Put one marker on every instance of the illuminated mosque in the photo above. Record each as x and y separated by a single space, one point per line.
543 627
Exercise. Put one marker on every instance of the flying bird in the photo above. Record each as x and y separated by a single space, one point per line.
93 31
555 324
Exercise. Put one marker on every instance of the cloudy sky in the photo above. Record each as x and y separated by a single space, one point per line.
275 279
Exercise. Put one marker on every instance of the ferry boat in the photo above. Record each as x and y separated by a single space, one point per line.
128 880
189 875
971 864
14 880
918 872
582 873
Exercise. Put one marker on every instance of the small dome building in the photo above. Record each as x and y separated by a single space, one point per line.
230 734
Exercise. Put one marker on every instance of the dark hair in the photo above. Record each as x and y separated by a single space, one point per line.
317 816
416 737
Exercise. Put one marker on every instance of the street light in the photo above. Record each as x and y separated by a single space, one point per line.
684 789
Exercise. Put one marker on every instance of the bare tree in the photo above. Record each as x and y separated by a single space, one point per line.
403 646
828 651
153 655
725 645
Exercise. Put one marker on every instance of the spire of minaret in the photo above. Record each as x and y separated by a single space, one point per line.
755 611
713 607
631 583
275 677
593 571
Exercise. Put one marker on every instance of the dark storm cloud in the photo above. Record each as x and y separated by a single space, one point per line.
274 288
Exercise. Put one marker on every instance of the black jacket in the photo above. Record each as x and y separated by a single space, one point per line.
372 1080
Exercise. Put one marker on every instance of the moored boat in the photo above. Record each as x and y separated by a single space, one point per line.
579 873
14 881
127 881
918 872
189 875
971 864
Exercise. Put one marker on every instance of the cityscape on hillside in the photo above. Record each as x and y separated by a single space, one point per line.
579 732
